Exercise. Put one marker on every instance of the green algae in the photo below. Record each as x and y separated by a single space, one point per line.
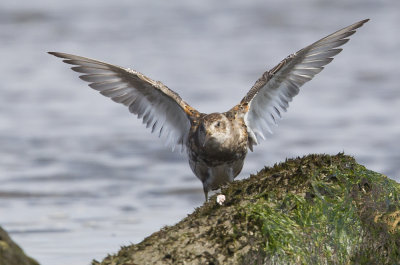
318 209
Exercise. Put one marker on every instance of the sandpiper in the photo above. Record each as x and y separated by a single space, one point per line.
216 143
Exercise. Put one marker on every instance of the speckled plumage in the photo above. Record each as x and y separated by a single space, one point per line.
216 143
217 148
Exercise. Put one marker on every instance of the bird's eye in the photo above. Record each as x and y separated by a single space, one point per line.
218 124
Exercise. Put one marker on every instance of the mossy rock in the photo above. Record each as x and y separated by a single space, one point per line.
318 209
11 253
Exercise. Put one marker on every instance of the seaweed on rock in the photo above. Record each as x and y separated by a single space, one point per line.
318 209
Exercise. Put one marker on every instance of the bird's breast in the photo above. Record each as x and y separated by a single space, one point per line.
220 148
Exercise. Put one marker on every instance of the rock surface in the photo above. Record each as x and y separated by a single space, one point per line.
11 253
318 209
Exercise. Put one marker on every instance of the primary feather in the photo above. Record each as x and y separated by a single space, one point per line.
161 109
273 91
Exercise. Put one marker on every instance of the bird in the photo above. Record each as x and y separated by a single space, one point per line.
216 144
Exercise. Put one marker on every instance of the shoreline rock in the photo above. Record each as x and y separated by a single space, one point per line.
11 253
318 209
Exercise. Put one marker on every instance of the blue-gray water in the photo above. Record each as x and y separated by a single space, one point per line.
80 176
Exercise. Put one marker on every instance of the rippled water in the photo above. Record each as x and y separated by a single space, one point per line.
80 176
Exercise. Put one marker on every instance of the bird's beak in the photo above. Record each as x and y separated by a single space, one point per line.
206 139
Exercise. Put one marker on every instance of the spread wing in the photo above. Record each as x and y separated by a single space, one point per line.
161 109
273 91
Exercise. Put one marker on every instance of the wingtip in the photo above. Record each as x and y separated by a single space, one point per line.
57 54
362 22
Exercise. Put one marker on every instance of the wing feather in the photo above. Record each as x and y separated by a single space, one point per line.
273 91
160 108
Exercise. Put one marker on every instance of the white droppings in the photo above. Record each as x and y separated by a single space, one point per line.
221 199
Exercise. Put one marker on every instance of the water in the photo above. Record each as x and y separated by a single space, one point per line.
80 176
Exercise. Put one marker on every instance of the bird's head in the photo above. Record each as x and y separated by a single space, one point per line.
213 129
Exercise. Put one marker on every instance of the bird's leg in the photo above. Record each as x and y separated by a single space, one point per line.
205 193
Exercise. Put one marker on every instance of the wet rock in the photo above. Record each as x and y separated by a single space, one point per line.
11 253
318 209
